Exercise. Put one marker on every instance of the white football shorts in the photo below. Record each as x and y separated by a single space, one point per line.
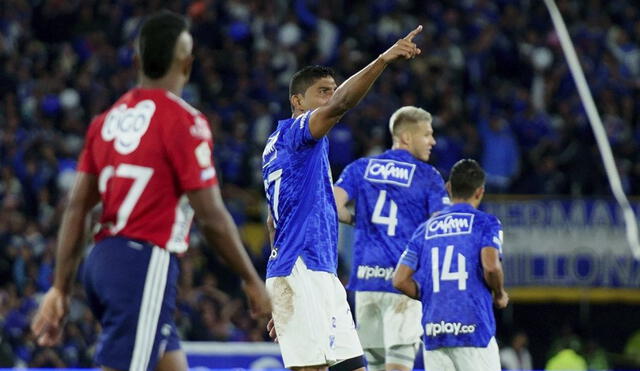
389 326
463 358
386 319
312 318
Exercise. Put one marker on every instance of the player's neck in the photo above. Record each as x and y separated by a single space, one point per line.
397 145
469 201
296 113
168 82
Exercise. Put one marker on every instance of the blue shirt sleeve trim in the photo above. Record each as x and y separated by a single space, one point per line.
410 259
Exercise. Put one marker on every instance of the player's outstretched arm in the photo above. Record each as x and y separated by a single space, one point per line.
342 198
403 281
47 324
350 92
221 233
494 276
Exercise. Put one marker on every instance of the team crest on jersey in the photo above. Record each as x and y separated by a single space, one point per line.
270 152
126 126
449 225
390 172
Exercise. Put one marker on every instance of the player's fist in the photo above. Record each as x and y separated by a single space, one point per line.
47 324
259 302
501 299
403 48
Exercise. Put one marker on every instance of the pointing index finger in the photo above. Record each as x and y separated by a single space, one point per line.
413 33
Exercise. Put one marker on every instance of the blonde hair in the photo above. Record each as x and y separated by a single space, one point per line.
407 115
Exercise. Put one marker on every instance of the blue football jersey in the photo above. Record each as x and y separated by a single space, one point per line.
457 306
298 185
393 192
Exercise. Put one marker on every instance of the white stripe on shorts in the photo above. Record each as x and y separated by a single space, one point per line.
152 297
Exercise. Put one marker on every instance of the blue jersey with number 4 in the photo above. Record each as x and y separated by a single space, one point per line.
393 192
457 306
297 182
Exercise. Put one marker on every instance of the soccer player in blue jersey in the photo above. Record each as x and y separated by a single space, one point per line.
394 193
310 310
452 264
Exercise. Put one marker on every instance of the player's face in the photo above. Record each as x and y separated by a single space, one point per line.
319 93
422 140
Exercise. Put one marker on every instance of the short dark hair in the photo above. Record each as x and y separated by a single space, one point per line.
301 80
157 42
466 176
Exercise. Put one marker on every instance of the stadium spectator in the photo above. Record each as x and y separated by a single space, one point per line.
516 356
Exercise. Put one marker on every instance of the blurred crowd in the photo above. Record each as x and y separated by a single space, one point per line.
492 74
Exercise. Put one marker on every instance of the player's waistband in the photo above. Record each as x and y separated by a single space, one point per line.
132 242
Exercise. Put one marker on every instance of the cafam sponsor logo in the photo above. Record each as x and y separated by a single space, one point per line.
390 171
449 225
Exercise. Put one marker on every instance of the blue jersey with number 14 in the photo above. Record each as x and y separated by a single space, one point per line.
457 306
393 192
297 181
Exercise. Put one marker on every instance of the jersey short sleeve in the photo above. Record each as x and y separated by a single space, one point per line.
299 136
349 179
87 163
412 254
492 233
189 147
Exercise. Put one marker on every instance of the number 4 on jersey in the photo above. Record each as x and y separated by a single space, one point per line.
391 221
461 275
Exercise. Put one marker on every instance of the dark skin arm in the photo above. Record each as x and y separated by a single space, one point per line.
48 322
494 276
403 281
350 92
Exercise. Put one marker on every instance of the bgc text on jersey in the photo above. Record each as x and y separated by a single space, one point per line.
147 150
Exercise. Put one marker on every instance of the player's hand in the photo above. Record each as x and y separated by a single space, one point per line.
259 302
271 329
48 323
403 48
501 299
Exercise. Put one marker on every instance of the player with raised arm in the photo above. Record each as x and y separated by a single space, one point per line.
394 193
452 264
147 159
310 310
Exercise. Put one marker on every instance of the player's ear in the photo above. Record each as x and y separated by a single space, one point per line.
479 193
406 136
447 186
296 102
187 65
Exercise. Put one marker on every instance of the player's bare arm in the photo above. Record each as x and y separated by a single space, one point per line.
47 324
271 228
403 281
494 276
350 92
221 233
342 198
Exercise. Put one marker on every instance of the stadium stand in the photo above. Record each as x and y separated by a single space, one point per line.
492 74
